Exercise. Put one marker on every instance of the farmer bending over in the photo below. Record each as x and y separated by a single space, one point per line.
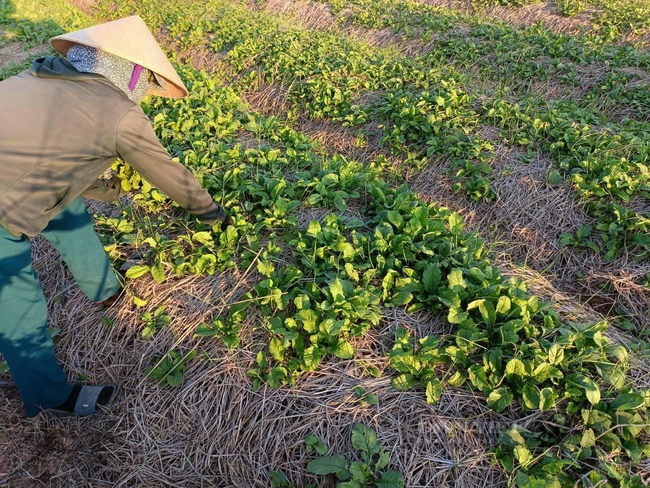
62 124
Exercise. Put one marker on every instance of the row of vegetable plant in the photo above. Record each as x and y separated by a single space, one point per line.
423 112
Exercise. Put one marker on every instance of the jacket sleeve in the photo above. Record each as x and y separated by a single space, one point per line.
105 190
137 143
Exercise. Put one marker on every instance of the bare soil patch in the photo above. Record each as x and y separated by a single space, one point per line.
86 6
14 53
269 99
527 15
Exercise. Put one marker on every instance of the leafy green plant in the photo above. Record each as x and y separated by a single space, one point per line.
315 444
370 471
169 369
579 238
153 322
368 369
364 397
279 480
570 8
227 328
418 364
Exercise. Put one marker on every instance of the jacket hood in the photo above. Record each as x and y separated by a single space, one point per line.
60 68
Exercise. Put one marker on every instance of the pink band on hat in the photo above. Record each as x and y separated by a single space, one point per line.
137 69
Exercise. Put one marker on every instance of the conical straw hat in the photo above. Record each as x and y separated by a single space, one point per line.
130 39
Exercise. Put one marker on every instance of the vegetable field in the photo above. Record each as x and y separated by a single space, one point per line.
439 268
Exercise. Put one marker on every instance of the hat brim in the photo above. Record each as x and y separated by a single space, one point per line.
128 38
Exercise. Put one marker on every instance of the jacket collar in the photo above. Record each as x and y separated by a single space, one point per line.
57 67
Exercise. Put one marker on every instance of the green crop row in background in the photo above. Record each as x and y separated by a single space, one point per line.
421 109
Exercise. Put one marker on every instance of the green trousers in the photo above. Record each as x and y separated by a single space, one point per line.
25 341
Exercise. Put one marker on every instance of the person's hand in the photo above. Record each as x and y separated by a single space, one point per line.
224 219
225 223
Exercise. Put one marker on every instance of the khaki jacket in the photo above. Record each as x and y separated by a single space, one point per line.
61 129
